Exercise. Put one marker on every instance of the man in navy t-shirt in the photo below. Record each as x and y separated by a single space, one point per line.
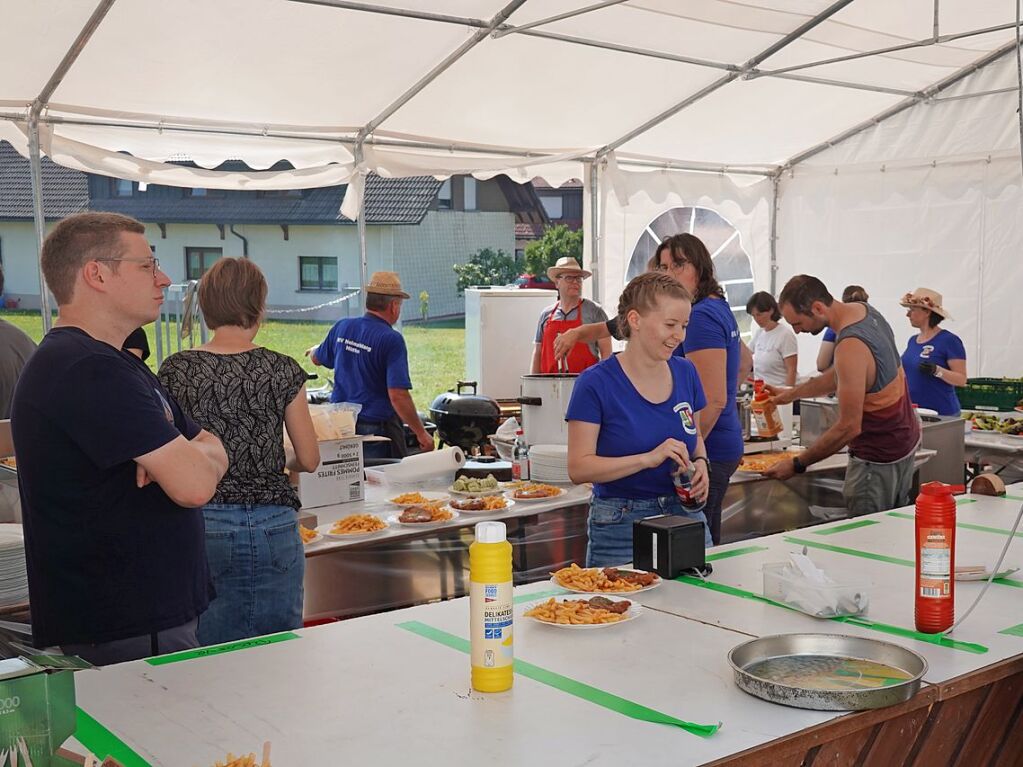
370 364
111 472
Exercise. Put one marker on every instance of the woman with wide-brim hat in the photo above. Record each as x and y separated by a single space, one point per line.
571 310
935 359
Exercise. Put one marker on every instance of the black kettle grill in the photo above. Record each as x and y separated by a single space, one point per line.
465 420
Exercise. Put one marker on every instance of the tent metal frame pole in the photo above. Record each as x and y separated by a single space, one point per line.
775 184
740 170
477 37
791 37
406 13
551 19
928 93
844 84
596 264
976 95
36 169
925 43
35 159
360 223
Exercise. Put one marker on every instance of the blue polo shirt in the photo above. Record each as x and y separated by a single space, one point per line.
712 325
928 391
369 357
630 424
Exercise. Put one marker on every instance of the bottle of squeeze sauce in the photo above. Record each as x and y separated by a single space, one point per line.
765 412
935 557
490 608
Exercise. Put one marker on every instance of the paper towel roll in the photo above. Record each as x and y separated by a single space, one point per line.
424 465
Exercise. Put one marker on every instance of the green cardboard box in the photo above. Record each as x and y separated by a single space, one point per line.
37 707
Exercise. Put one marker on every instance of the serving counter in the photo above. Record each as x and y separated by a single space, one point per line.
393 688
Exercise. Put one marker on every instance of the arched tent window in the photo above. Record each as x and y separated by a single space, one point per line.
731 262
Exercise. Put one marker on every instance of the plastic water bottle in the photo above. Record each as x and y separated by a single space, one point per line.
683 479
520 457
490 608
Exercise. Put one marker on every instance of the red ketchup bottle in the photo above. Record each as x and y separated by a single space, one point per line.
935 557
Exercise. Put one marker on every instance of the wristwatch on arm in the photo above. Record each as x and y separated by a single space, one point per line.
798 465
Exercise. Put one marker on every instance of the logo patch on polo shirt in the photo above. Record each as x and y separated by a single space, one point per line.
685 414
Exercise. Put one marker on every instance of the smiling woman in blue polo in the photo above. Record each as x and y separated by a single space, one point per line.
632 421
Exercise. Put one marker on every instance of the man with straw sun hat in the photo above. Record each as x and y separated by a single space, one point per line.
935 359
370 363
570 311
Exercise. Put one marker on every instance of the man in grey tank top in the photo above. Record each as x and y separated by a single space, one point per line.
875 414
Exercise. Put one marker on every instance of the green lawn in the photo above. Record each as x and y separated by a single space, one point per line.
436 350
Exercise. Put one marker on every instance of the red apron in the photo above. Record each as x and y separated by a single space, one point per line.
579 358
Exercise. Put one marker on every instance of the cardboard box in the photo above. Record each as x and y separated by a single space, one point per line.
37 707
339 477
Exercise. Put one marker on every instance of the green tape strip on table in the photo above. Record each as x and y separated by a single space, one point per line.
734 553
886 628
1015 631
536 595
963 501
963 525
220 649
102 743
848 526
571 686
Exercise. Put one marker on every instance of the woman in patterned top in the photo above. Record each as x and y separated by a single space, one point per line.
246 394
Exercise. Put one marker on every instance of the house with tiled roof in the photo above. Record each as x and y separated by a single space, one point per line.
309 252
562 205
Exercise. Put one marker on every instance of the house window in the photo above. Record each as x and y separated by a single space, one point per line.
470 193
120 187
553 206
275 193
444 196
199 260
317 272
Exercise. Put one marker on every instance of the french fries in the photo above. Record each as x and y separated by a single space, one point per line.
357 523
494 502
411 499
590 580
306 533
762 462
246 761
575 612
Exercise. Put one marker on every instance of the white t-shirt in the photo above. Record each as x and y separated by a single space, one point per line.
770 350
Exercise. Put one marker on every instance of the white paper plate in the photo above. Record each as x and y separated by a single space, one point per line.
623 594
983 576
324 530
429 496
511 496
393 520
508 503
316 539
634 611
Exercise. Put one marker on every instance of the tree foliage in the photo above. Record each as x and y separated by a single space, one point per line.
486 267
557 242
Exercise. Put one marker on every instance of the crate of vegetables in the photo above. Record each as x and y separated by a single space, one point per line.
991 394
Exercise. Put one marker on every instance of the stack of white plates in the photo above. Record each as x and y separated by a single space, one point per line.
13 578
548 463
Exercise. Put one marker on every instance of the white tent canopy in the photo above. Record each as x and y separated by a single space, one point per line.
562 89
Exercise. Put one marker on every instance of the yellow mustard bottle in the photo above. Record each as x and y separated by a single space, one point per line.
490 608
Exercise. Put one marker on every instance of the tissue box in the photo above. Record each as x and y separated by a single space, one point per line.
667 544
819 600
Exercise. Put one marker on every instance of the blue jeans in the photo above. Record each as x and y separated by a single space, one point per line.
258 563
610 526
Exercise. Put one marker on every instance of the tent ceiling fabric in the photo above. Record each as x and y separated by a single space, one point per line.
309 74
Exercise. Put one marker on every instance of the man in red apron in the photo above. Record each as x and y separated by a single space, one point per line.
570 311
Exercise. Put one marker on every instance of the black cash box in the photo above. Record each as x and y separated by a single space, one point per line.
668 544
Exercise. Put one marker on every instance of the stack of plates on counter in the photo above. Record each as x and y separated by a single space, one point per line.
13 578
548 463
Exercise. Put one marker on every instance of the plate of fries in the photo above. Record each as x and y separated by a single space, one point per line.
607 580
483 505
417 499
353 526
535 491
577 613
249 760
756 464
309 535
441 514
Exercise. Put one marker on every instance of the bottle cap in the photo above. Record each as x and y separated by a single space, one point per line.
491 532
518 432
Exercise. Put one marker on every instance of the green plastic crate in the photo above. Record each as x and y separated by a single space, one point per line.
990 393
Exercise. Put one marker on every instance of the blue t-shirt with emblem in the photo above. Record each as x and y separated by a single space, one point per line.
928 391
630 424
369 357
712 325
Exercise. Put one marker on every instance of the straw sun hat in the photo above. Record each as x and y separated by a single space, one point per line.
566 265
925 298
387 284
